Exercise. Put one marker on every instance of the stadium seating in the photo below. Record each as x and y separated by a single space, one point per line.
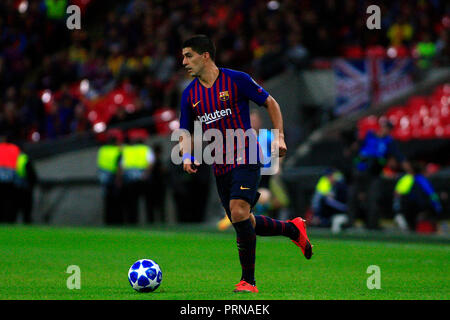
132 39
422 117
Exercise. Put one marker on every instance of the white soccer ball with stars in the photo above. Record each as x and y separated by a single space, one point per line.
145 275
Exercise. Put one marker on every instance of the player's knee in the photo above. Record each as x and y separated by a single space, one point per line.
240 210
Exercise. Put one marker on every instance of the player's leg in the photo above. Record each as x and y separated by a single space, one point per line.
224 185
293 229
243 194
246 243
268 227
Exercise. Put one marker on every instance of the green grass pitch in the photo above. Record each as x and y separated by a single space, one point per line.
200 265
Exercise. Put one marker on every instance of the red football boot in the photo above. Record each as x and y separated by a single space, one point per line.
302 241
245 287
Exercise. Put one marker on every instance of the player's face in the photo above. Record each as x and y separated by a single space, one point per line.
193 62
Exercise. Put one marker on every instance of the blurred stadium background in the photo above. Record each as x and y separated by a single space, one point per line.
62 90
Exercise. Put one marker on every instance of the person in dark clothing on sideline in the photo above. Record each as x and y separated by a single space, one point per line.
414 195
108 159
373 152
26 179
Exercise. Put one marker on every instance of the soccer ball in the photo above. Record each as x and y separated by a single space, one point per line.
145 275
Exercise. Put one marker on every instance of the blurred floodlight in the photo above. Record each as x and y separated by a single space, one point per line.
166 116
84 86
99 127
391 52
118 98
35 136
173 125
46 96
23 6
273 5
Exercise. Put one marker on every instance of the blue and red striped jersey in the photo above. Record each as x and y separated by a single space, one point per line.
223 106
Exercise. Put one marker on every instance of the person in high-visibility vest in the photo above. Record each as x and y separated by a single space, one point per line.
26 179
136 164
413 195
9 153
108 158
329 201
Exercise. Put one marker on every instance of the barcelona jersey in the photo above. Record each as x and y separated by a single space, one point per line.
223 106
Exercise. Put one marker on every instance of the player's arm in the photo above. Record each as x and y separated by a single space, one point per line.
185 140
257 94
273 108
186 143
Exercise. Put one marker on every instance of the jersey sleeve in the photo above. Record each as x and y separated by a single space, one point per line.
186 121
250 89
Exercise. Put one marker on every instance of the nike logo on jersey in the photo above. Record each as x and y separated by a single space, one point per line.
195 104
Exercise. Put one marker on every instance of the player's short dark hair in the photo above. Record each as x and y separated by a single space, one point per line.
201 44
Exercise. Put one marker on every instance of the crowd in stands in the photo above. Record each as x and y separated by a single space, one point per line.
51 77
422 117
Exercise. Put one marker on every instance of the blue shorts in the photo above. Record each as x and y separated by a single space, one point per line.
242 183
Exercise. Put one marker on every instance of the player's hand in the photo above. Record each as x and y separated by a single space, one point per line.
282 149
279 146
190 167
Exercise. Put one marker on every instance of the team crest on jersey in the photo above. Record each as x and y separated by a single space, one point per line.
224 96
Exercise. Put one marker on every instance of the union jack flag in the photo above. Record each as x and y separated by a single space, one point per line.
360 83
352 85
390 77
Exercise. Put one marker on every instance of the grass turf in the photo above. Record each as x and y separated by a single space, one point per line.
205 266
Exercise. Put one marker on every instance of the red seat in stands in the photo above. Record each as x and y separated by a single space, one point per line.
402 134
447 131
395 113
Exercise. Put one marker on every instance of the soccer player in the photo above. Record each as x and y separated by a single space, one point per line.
219 98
